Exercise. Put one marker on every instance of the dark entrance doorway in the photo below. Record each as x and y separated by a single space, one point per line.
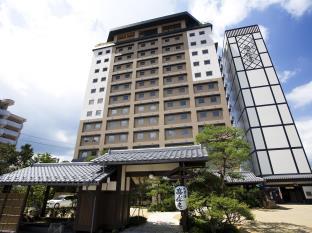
292 194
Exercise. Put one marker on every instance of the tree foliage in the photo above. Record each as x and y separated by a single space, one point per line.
226 147
45 158
11 159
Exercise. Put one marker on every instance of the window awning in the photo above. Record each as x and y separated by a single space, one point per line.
61 174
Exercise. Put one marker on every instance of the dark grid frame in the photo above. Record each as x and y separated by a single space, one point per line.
249 31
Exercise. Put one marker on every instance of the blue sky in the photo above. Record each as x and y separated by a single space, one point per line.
46 54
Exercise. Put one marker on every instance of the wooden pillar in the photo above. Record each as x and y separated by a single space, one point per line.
184 213
45 199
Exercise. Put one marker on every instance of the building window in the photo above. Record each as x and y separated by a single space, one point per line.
194 53
169 104
203 114
182 89
141 108
177 38
178 47
182 102
181 78
141 95
130 47
123 137
141 83
201 32
193 43
153 93
153 107
114 98
106 60
140 136
127 75
153 120
107 51
209 73
98 112
129 56
205 51
196 63
103 79
201 100
207 62
128 66
126 86
93 90
125 97
97 71
183 116
199 87
216 113
152 135
100 53
153 43
178 57
124 123
179 67
143 45
211 85
153 82
114 111
197 75
153 71
153 51
169 91
167 49
95 80
89 113
170 133
142 72
203 42
111 138
102 89
168 68
170 118
192 34
142 54
185 132
142 63
100 100
167 58
119 58
125 110
213 99
98 61
91 102
105 69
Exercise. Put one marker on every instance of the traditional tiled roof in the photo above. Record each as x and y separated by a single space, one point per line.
57 174
154 155
244 177
288 177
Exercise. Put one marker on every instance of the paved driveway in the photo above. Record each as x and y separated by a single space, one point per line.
159 222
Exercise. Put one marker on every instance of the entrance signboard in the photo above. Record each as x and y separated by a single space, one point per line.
180 194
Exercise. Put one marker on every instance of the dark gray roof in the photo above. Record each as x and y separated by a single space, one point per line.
244 177
57 174
154 155
288 177
190 21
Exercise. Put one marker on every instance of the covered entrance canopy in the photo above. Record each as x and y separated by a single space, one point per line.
104 183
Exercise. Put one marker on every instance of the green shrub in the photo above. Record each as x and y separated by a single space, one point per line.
252 197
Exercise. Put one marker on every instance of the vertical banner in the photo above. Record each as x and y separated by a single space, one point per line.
180 196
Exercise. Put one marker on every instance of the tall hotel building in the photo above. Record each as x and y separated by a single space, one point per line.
157 83
10 124
258 105
152 84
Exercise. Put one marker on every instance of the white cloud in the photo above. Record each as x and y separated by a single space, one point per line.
297 7
46 48
227 13
285 75
305 131
301 96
